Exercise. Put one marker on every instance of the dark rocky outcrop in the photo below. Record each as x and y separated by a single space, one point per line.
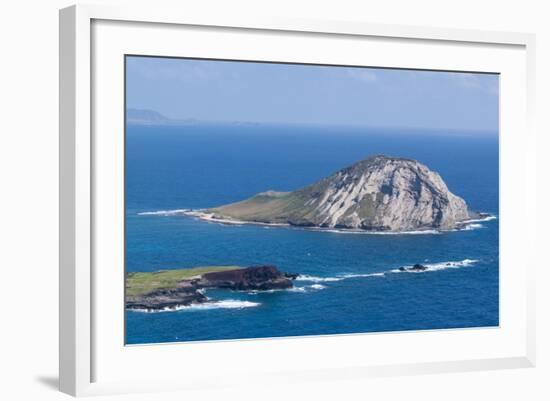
167 298
258 278
416 268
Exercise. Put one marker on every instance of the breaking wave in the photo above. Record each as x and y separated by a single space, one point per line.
363 232
292 289
471 226
314 279
224 304
175 212
297 289
317 286
363 275
431 267
487 218
340 277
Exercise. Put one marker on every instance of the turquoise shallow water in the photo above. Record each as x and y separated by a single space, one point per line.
347 285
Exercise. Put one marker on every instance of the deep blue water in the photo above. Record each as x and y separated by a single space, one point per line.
171 167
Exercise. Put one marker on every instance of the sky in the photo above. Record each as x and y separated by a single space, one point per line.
217 91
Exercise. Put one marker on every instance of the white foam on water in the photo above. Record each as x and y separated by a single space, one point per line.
174 212
364 232
292 289
224 304
317 286
481 220
472 226
363 275
487 218
439 266
297 289
315 279
469 225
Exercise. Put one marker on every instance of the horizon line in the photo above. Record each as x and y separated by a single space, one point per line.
183 121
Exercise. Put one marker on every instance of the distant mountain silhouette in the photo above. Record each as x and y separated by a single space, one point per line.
146 117
151 117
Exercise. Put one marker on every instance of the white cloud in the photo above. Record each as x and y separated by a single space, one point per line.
483 83
362 74
175 69
467 80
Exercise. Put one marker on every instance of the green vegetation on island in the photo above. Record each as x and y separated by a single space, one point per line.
139 283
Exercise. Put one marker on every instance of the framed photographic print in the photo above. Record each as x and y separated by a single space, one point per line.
289 199
294 198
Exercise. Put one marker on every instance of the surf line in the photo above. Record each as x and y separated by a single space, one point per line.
428 267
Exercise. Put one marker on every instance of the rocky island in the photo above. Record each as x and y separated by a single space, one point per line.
381 193
169 289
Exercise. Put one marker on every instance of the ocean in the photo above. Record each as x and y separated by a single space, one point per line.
348 282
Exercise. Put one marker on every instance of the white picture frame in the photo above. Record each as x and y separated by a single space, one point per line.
80 317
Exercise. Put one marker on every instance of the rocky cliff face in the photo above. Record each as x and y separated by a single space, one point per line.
380 193
258 278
